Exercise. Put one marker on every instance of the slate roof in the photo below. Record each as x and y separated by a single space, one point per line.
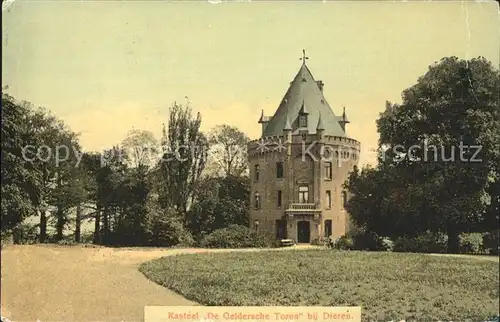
304 95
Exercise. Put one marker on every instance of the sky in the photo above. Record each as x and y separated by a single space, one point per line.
106 67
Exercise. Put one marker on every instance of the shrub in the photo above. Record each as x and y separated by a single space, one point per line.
66 242
344 243
330 242
471 243
424 243
388 244
86 237
319 241
491 241
237 236
6 237
165 228
25 234
366 240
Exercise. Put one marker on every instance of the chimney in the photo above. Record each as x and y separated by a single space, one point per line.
320 85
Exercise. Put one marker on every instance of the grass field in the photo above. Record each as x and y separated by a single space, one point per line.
414 287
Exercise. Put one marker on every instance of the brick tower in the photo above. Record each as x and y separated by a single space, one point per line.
299 165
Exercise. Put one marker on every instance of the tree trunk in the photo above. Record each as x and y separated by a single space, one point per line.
60 212
78 223
453 241
105 224
60 223
16 235
97 225
43 225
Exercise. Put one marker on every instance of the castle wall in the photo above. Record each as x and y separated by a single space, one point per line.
343 153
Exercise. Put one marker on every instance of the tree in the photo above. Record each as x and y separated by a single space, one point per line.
142 148
69 191
165 227
184 157
55 155
21 180
229 149
439 155
87 180
219 202
111 196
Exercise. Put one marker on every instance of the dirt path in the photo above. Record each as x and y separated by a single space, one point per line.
476 257
50 283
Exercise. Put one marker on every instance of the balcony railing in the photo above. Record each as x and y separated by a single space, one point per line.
303 207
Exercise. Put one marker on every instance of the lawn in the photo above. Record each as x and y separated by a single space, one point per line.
414 287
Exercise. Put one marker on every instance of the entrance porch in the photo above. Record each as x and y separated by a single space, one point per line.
303 222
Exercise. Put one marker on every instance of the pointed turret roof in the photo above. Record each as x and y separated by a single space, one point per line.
304 94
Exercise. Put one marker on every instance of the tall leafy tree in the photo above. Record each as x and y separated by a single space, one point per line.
228 146
439 166
219 202
142 148
111 195
21 180
55 155
184 157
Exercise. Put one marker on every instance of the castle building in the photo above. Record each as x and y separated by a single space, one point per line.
299 165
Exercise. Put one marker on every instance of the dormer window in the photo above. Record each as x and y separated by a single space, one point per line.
303 115
303 120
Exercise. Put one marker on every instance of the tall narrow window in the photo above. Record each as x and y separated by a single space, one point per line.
328 199
303 194
303 120
257 200
279 169
328 170
344 199
278 195
328 228
256 172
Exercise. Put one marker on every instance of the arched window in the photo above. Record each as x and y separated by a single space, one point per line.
303 194
279 170
328 170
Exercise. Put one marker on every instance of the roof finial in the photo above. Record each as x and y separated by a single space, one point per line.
304 57
262 118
